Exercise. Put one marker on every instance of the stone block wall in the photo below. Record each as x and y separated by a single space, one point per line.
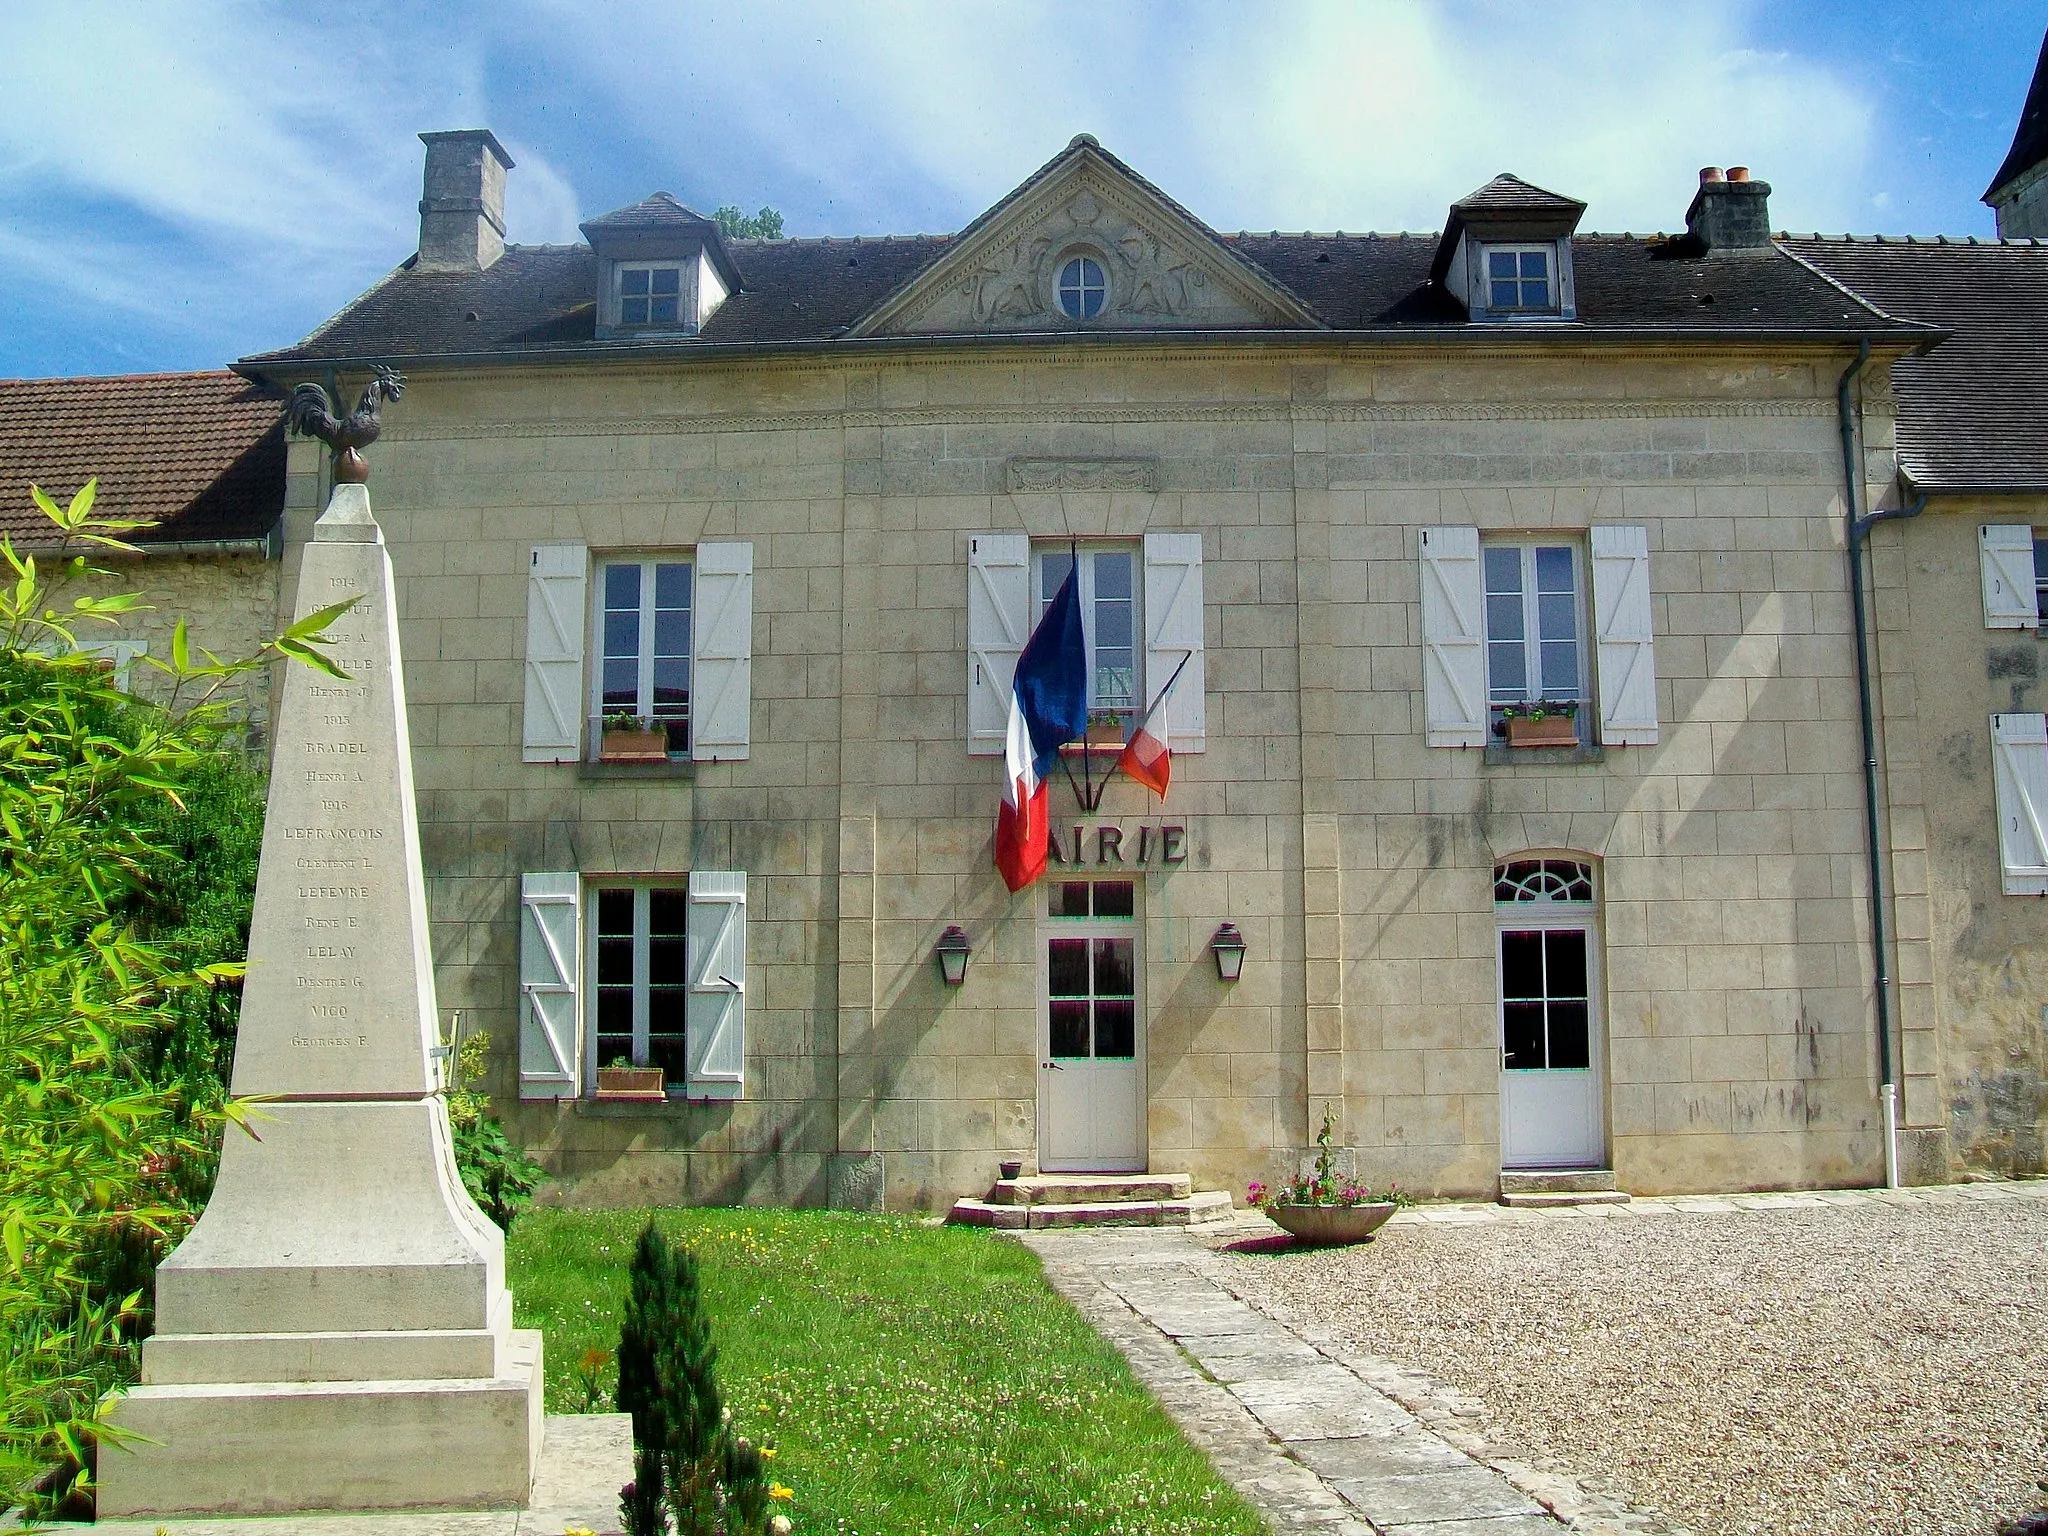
1972 961
229 603
1356 859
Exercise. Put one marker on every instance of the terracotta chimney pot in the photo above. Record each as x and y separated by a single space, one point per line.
1738 173
1709 173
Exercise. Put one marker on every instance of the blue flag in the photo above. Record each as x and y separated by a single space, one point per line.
1052 678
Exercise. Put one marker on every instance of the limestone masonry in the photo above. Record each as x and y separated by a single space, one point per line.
1507 574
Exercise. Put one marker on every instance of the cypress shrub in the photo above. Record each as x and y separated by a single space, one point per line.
688 1463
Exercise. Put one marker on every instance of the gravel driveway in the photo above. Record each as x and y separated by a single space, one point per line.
1814 1371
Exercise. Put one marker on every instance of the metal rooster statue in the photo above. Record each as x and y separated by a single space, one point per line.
311 414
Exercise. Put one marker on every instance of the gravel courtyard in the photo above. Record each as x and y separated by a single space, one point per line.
1808 1371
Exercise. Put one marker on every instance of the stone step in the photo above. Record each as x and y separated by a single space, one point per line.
1537 1188
1555 1181
1566 1197
1188 1210
1090 1189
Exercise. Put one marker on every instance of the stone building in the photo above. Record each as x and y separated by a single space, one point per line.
1384 505
1956 622
202 457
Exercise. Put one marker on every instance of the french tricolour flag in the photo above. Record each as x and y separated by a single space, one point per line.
1146 756
1048 709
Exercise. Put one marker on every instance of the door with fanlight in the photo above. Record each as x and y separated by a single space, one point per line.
1553 1096
1091 1030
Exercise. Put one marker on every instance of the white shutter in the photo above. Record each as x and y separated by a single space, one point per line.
554 652
2019 768
1453 638
998 622
717 1016
1173 634
550 969
2006 552
1626 647
723 667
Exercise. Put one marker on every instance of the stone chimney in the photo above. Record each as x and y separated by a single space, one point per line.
1731 212
462 204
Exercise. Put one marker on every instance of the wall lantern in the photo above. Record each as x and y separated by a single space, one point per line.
1228 948
953 950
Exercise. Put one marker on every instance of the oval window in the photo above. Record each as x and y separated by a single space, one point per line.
1083 288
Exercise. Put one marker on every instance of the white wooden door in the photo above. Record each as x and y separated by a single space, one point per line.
1552 1080
1091 1030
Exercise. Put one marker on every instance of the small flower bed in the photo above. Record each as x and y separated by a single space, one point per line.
1324 1186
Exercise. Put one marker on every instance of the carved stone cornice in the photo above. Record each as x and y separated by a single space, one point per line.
1100 414
1122 474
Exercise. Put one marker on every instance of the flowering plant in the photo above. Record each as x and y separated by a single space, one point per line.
1324 1186
1541 709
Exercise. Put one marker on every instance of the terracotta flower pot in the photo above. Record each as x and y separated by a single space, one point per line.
1550 731
1328 1225
631 1085
633 747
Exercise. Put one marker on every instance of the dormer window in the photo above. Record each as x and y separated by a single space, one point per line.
1506 253
1083 288
1518 278
662 270
650 295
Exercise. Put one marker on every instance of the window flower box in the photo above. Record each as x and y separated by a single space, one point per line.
630 740
1541 724
1550 731
631 1085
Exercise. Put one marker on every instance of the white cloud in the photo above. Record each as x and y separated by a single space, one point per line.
1324 114
545 211
264 160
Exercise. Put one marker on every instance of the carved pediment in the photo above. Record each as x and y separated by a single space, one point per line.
1163 269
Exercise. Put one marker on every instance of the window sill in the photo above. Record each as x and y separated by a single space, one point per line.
639 1109
1499 753
675 768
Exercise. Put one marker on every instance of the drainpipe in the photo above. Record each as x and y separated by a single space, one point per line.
1858 529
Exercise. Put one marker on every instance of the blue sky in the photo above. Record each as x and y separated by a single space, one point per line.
181 184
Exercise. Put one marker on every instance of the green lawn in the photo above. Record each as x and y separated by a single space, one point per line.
914 1379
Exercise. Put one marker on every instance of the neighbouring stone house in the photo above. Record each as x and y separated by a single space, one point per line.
1369 498
203 457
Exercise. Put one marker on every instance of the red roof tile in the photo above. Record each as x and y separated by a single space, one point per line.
203 453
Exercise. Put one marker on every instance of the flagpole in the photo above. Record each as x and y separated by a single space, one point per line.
1186 657
1158 705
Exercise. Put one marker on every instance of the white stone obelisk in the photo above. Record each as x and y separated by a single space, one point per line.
335 1333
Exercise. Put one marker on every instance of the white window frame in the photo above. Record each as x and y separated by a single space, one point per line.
644 682
619 295
642 887
1081 288
1041 595
2041 578
1547 249
1531 630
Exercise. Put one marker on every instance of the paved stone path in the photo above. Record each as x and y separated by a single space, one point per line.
1312 1443
1322 1439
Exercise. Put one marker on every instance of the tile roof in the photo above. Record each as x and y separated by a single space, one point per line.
542 299
1971 411
1509 193
203 453
2030 139
662 210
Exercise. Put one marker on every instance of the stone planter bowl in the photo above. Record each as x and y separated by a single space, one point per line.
1329 1225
